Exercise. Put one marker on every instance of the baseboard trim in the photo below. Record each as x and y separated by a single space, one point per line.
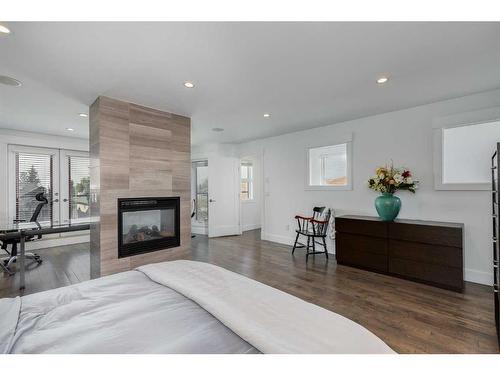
229 230
199 230
479 277
54 242
284 240
250 227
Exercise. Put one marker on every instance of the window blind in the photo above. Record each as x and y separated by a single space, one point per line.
79 187
34 174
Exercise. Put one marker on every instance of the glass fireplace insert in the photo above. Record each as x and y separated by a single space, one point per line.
147 224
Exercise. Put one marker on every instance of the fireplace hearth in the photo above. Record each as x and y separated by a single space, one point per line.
147 224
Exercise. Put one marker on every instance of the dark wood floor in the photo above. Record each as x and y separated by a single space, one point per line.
410 317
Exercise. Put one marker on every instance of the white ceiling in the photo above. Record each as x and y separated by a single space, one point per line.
304 74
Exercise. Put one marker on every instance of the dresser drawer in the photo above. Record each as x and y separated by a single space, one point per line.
426 253
361 251
375 228
431 234
445 277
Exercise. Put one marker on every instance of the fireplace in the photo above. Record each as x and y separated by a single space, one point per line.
147 224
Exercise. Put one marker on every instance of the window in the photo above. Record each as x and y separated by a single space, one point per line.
329 167
33 175
464 156
246 182
62 175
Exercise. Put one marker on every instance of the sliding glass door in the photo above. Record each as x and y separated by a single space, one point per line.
61 175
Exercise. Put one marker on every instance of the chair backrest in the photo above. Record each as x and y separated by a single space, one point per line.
322 228
43 201
317 212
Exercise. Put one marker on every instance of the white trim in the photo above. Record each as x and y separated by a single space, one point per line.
338 141
226 230
284 240
199 229
248 227
480 277
481 116
289 241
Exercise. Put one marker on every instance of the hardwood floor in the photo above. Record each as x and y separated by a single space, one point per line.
410 317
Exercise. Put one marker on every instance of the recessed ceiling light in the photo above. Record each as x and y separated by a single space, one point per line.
217 129
267 115
382 80
4 29
9 81
70 129
189 85
83 115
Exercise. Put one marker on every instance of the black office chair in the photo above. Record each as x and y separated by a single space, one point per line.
13 242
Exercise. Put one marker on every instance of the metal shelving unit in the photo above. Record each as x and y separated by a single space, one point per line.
495 188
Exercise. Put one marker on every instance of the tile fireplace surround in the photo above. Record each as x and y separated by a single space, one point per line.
135 152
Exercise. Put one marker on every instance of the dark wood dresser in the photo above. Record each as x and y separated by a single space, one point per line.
425 251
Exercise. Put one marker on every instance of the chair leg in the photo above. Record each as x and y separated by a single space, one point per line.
324 245
295 244
6 269
307 253
314 246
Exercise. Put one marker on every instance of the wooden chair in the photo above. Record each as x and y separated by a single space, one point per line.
314 228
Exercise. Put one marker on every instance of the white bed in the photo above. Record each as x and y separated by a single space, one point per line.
176 307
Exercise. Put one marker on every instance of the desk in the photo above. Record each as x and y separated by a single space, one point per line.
23 230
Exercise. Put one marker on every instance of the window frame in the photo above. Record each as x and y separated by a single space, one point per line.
348 142
440 124
250 181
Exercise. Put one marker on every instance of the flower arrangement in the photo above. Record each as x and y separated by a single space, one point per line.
390 179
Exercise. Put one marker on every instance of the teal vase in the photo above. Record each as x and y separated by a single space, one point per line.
387 206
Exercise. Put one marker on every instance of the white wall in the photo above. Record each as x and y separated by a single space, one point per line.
7 137
406 138
467 147
251 210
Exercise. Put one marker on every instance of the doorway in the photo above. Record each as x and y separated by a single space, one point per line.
199 197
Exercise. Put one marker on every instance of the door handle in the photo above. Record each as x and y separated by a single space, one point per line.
211 200
55 200
65 200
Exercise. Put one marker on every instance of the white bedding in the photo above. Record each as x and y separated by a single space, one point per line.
176 307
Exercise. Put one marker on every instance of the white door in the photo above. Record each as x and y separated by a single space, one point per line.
223 196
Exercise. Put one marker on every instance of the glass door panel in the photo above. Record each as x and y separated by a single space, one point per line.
33 171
